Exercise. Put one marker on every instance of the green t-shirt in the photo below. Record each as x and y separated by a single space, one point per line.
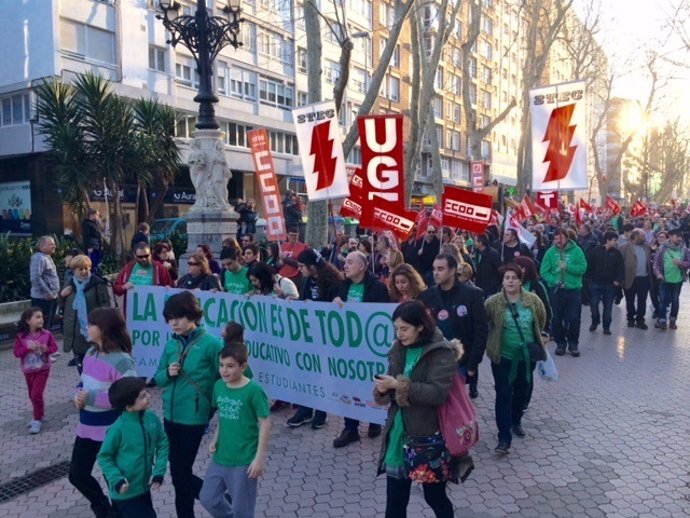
239 410
512 346
237 283
394 451
356 292
141 276
672 273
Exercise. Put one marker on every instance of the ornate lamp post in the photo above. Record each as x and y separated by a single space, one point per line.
212 218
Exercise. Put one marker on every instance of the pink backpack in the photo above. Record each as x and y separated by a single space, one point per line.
458 420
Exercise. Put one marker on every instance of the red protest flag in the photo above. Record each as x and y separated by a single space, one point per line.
436 218
548 200
422 223
389 216
613 206
466 210
638 209
586 206
352 206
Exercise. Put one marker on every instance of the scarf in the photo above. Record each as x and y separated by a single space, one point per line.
79 305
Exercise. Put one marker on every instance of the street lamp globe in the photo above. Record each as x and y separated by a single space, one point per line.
169 8
234 4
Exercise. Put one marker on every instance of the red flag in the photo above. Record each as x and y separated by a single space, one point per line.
586 206
270 195
352 206
548 200
529 208
613 206
422 223
466 210
436 218
387 216
638 209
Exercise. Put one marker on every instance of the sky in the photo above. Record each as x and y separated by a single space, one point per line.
630 28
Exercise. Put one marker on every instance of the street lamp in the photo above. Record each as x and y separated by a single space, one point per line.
204 36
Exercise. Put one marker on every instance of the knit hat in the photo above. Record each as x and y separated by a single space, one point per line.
309 257
125 391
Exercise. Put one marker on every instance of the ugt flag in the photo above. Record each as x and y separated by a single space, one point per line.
559 137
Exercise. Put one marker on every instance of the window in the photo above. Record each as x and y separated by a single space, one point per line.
457 57
332 72
363 8
386 14
449 136
488 25
335 34
355 156
248 36
395 59
242 84
445 167
486 49
456 113
382 45
223 77
455 85
430 19
486 102
390 89
87 42
486 74
185 126
275 93
302 98
455 143
299 17
184 68
457 30
157 59
486 120
473 68
428 46
439 78
236 134
362 51
302 59
486 150
15 110
360 80
273 45
437 105
473 93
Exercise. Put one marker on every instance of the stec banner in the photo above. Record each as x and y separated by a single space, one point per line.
559 137
309 353
321 151
263 163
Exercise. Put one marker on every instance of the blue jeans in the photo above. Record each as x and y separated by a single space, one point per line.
567 307
601 293
670 295
510 398
138 507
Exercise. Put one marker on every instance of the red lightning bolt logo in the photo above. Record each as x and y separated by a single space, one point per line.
322 150
560 153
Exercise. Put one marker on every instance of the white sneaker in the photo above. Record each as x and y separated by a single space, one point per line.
35 427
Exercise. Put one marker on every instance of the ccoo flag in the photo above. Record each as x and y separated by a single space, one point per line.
559 137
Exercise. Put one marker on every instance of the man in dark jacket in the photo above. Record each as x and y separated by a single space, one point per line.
606 271
409 249
93 238
512 247
459 312
428 249
486 265
359 286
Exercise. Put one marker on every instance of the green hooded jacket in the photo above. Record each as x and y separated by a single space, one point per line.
135 449
575 266
187 397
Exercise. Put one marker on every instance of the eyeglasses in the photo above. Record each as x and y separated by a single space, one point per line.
190 263
143 256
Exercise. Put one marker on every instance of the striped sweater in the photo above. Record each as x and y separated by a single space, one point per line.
100 370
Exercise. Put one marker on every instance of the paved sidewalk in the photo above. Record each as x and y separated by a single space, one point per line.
608 439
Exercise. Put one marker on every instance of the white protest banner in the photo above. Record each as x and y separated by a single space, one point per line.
559 137
321 151
309 353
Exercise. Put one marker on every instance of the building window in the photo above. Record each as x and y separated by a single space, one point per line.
242 84
302 59
487 100
275 93
473 93
487 25
395 60
486 150
355 156
185 69
223 77
15 110
332 71
456 114
360 80
236 134
386 14
455 143
302 98
87 42
439 78
273 45
437 104
473 68
157 59
249 36
486 74
363 8
185 126
390 88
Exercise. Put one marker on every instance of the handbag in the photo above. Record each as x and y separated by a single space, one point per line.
458 420
427 460
536 351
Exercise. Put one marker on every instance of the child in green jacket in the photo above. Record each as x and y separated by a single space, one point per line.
134 455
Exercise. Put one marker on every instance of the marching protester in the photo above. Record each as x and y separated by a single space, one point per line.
289 251
33 345
421 365
606 271
459 312
486 265
659 240
134 454
45 284
251 254
108 360
532 283
512 247
187 371
405 284
85 293
427 252
638 269
213 265
516 320
234 278
670 267
359 285
562 269
199 275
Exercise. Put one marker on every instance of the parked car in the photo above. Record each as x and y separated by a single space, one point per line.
164 228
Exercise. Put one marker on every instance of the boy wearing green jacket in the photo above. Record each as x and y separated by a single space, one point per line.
134 454
562 269
187 370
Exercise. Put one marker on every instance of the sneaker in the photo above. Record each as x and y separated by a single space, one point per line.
517 430
660 324
631 323
672 325
319 421
302 416
54 357
641 325
593 327
560 350
502 448
474 393
607 331
35 427
374 431
346 437
574 351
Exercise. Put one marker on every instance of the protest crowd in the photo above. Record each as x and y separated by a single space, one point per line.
503 293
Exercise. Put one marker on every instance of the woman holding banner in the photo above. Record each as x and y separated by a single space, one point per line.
421 366
200 276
